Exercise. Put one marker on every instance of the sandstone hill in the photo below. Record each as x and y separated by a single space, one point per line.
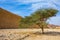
8 20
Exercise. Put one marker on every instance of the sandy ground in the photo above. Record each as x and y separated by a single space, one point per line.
29 34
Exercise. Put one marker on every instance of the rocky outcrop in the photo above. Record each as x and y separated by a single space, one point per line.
8 20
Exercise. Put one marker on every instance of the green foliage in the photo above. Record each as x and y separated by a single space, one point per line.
39 18
44 13
25 22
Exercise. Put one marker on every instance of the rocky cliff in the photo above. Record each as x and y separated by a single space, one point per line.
8 19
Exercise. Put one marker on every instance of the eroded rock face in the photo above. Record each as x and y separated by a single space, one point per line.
8 19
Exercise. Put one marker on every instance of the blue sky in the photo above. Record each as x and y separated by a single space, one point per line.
26 7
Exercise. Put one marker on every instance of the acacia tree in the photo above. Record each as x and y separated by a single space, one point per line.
39 18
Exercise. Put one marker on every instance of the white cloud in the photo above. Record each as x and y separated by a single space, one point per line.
42 5
56 1
30 1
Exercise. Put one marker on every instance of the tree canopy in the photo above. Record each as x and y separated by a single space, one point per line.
39 17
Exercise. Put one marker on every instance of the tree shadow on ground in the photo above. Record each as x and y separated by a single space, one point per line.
50 33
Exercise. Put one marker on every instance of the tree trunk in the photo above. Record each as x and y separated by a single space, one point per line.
42 28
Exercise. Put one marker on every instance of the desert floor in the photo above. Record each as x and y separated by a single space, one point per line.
29 34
